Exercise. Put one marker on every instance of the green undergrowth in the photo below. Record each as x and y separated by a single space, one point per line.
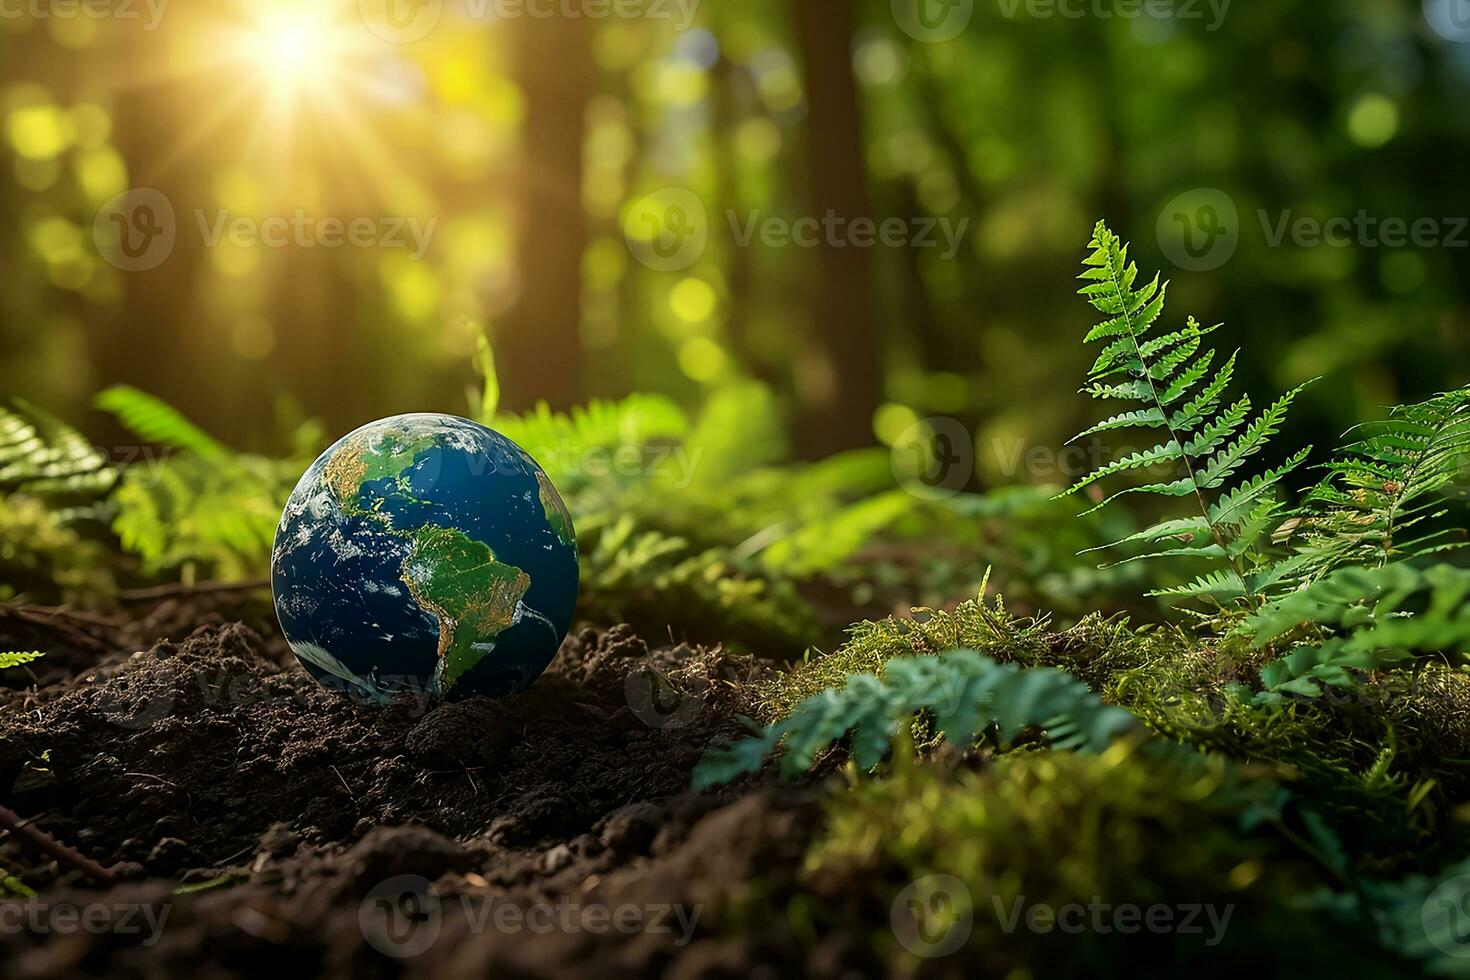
1403 737
1220 852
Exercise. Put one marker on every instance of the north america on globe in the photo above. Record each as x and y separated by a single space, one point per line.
426 554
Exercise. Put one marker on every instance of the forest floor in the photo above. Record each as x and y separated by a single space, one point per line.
253 822
190 803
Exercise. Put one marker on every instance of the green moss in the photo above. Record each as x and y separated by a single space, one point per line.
1130 826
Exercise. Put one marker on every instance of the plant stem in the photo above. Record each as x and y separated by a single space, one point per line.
44 842
1148 377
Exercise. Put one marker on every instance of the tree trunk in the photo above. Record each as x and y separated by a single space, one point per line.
837 413
538 343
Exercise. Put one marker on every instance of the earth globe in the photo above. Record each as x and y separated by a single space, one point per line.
425 554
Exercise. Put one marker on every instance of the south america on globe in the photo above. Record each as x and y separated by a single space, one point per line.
425 554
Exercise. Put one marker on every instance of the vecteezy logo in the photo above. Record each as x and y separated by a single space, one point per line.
1446 917
1200 229
400 917
932 20
133 702
1450 19
400 21
136 230
657 703
933 458
667 230
933 916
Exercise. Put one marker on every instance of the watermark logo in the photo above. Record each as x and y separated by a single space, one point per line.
1184 10
134 702
933 21
667 230
933 916
837 231
1450 19
1363 230
656 702
934 458
401 916
1446 917
1125 918
136 230
400 21
41 918
150 12
1200 229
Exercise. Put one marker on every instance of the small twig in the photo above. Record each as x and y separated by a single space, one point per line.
42 841
33 613
201 588
344 783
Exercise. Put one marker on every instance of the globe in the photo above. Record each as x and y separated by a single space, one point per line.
427 554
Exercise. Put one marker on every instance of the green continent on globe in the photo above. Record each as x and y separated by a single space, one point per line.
357 463
474 596
556 512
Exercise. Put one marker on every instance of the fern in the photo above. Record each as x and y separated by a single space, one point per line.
17 658
655 580
564 443
1181 393
43 457
965 692
1383 495
1362 619
52 484
203 504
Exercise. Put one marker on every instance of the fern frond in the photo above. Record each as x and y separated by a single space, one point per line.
42 456
16 658
561 442
965 693
1386 483
156 421
1362 619
1182 392
1253 441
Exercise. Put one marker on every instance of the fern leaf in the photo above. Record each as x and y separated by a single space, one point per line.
1253 441
155 420
1198 408
17 658
1141 419
965 692
1181 390
42 456
1389 481
1218 586
1362 619
1134 461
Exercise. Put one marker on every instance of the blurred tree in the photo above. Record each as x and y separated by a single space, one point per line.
845 387
538 340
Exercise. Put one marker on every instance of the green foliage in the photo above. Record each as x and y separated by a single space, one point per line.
156 421
1129 825
1181 397
16 658
201 506
577 447
51 480
964 693
1419 918
661 583
1363 619
41 456
1382 499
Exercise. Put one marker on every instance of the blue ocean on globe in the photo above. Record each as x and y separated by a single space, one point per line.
425 553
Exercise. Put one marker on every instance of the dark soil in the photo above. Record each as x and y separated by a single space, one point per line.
281 827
